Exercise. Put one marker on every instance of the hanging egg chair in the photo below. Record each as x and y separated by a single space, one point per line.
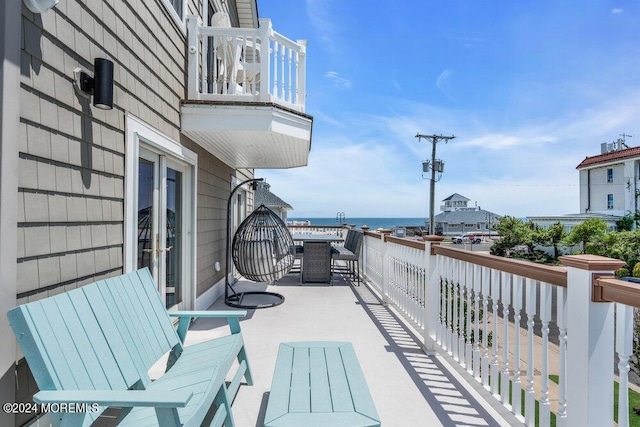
262 247
262 252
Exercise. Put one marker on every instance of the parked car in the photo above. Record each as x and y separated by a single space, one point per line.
467 238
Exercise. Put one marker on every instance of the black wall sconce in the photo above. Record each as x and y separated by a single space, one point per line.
100 86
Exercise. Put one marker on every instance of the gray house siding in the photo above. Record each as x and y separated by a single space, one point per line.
71 156
9 117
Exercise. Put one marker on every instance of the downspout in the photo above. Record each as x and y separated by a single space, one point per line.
588 190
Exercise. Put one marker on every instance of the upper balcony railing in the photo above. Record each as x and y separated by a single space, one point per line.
540 339
245 65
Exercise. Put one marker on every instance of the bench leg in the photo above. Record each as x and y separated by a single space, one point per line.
223 412
242 357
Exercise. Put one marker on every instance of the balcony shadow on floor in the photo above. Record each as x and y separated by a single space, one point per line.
448 398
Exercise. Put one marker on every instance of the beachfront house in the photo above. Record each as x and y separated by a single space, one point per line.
456 217
125 125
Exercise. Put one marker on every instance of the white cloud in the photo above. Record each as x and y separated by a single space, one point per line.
616 11
338 81
443 81
371 165
323 21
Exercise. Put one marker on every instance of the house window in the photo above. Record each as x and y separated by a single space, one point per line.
609 175
609 201
178 10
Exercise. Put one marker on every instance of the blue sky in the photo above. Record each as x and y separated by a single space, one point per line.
529 89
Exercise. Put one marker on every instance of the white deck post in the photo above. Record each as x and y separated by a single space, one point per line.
590 341
193 56
431 298
301 76
385 269
266 30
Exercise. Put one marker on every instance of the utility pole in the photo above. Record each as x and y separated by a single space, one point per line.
435 165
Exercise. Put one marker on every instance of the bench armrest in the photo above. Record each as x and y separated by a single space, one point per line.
209 314
185 317
119 398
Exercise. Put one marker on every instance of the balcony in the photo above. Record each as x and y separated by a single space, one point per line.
448 337
246 96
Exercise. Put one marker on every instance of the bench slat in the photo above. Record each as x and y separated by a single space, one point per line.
147 287
145 322
279 395
360 394
129 336
106 338
300 400
131 317
340 392
80 342
320 391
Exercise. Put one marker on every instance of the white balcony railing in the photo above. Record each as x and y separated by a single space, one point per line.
512 324
239 64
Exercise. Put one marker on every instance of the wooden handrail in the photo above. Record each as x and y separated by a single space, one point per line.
610 289
544 273
416 244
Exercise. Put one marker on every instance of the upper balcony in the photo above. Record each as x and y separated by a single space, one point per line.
246 95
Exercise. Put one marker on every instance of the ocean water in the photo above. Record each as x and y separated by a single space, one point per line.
373 223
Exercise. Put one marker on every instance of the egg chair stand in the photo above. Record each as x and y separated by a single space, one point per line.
260 252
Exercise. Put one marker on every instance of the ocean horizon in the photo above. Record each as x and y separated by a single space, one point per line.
372 223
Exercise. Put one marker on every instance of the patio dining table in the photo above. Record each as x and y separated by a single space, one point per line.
316 261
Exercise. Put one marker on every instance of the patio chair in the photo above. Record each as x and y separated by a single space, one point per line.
350 254
237 61
226 54
316 262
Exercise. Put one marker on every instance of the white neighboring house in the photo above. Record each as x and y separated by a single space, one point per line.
609 187
609 181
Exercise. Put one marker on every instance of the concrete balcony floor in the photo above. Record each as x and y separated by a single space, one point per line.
408 387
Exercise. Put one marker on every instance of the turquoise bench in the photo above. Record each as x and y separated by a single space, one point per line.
319 384
95 345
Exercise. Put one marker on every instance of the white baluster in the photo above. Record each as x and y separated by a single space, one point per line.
456 303
289 61
461 304
451 305
468 306
516 389
282 73
477 286
530 394
204 84
506 301
443 295
486 282
276 48
624 348
562 329
545 317
495 298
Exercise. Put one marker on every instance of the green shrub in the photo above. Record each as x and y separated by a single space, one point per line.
636 270
623 272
